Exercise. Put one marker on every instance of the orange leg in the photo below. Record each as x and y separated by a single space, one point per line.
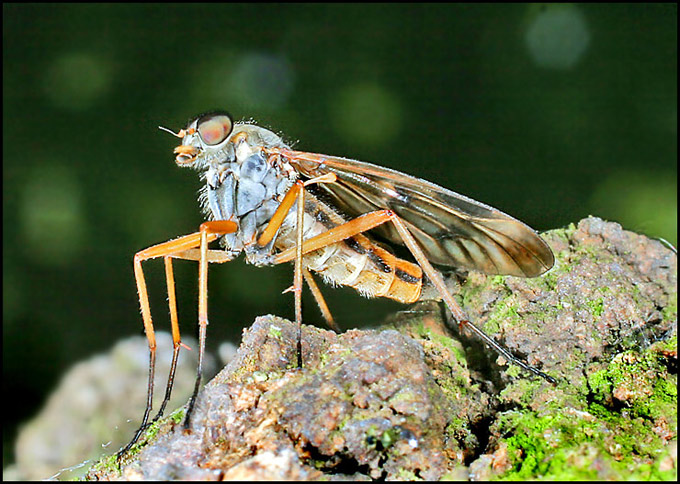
280 214
296 193
173 248
286 204
208 230
373 219
297 277
176 341
320 301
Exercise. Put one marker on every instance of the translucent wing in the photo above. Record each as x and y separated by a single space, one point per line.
453 230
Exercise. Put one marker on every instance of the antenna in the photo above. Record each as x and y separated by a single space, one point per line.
180 134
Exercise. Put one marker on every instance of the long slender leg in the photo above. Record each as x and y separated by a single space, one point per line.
160 250
286 204
438 281
176 341
355 226
207 230
218 256
170 248
297 278
296 192
320 301
374 219
279 215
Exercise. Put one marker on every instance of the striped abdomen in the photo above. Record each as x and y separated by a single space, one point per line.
356 261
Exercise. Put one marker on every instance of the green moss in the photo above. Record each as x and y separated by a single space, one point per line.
323 359
456 426
596 307
450 380
450 344
668 345
106 466
177 415
590 252
476 284
526 441
498 280
505 312
402 396
257 377
549 280
111 463
155 427
389 437
605 440
526 388
600 384
566 233
274 332
514 371
670 311
642 378
566 447
406 475
150 434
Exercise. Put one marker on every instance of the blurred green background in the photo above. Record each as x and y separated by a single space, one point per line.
547 112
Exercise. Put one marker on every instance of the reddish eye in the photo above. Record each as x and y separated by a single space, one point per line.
215 129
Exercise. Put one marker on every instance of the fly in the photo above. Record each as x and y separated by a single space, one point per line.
276 205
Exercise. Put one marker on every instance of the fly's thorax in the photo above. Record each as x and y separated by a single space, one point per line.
243 185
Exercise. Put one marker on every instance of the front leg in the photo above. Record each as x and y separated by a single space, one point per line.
170 249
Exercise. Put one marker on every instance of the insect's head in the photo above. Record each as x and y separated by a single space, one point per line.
205 135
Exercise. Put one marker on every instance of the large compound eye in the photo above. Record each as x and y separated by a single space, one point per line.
214 128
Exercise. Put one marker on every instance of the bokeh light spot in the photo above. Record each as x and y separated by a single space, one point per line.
51 215
642 202
557 36
367 113
246 82
77 80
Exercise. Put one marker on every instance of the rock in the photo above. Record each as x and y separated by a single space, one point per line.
364 403
98 405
